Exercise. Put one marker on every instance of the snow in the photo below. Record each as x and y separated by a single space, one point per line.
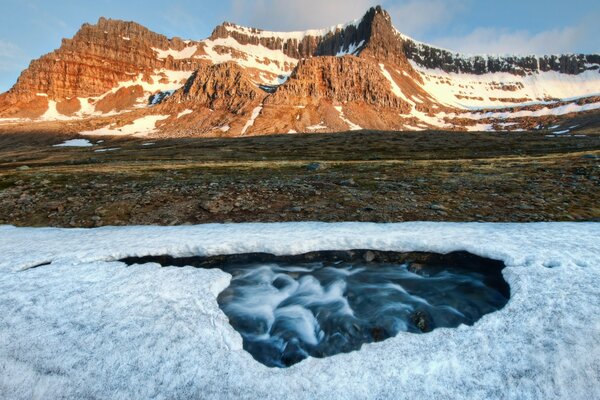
87 326
470 91
297 35
319 126
274 62
481 128
184 112
52 113
140 127
434 121
413 128
187 52
351 125
542 112
108 149
352 49
75 143
174 81
395 88
250 123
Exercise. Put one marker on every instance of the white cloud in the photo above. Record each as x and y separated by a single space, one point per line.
414 17
504 41
409 16
297 15
11 56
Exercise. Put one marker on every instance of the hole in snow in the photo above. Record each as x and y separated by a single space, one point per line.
288 308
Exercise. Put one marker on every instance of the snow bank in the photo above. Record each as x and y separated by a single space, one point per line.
87 326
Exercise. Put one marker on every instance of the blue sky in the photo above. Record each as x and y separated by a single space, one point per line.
30 28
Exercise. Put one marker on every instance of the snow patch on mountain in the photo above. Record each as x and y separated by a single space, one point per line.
140 127
258 57
490 90
351 125
187 52
250 123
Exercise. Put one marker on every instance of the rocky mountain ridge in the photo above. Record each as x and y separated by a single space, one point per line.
118 77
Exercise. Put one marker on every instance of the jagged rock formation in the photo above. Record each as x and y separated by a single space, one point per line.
116 77
340 80
223 86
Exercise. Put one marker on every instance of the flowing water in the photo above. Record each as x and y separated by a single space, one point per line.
287 312
325 303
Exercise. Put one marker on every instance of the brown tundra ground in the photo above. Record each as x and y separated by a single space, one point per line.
365 176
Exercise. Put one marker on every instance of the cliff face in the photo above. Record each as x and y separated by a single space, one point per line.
337 79
223 86
94 61
363 74
435 58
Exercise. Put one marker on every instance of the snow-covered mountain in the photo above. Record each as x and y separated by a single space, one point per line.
118 77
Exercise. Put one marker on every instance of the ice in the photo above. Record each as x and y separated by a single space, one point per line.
75 143
89 327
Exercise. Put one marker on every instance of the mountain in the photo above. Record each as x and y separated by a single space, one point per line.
119 78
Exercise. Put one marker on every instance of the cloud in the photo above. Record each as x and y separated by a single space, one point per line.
11 56
415 17
504 41
297 15
409 16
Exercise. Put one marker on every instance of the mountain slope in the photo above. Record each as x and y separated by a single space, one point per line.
118 77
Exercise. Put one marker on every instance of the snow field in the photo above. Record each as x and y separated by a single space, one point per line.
88 326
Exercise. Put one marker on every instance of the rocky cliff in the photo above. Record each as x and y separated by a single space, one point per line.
115 76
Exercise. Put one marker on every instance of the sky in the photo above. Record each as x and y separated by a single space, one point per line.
31 28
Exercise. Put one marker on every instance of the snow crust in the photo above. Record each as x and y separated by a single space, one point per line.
87 326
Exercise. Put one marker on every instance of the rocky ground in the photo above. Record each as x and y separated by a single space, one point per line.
368 176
